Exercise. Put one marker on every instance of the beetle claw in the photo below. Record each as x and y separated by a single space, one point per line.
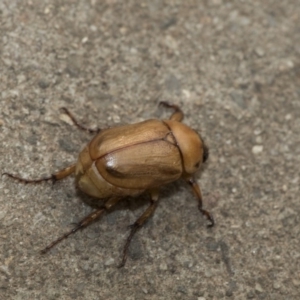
211 219
121 265
210 225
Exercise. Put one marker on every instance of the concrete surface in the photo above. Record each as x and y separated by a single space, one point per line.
233 67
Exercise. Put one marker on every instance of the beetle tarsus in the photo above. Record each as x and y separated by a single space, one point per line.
50 246
86 221
134 229
208 215
81 127
198 194
138 224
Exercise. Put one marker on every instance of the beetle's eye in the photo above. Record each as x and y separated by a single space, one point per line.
197 165
205 153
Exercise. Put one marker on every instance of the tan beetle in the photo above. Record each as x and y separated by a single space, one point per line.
131 159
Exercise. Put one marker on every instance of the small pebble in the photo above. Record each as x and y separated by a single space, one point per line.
163 267
276 286
258 140
257 149
84 40
259 52
65 118
288 117
296 282
257 131
109 262
2 214
222 160
258 288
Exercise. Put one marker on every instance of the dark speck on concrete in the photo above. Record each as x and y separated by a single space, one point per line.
43 84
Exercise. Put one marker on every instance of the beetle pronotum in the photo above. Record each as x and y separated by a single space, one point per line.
131 159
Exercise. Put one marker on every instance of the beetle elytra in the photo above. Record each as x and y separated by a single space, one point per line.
130 159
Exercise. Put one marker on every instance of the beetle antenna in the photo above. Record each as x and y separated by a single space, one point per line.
81 127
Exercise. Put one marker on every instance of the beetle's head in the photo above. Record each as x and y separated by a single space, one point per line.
193 150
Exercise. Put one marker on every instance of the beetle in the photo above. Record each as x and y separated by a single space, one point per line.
130 159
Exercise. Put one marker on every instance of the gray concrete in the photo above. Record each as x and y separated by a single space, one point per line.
233 67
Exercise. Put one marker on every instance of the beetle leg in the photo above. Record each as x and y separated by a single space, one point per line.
177 115
81 127
198 194
83 223
139 223
86 221
54 177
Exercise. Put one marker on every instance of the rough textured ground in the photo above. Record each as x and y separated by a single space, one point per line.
233 67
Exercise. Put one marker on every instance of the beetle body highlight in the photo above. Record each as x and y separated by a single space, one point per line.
131 159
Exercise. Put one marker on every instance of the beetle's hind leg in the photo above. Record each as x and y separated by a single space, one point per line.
81 127
86 221
177 115
139 223
54 177
83 223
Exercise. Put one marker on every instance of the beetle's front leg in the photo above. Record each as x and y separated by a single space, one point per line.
177 115
54 177
198 194
139 223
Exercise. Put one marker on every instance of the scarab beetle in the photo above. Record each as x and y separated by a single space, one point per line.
130 159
